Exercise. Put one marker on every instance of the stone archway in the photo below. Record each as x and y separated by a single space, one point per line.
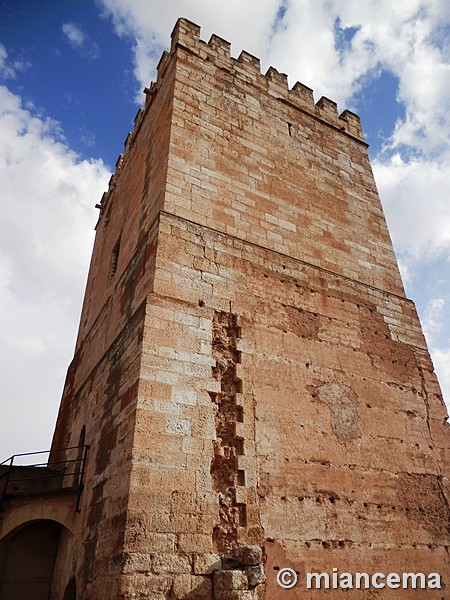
27 560
70 593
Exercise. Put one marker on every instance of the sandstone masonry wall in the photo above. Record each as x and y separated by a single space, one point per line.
340 422
263 163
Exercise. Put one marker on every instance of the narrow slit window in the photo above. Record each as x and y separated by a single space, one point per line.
114 260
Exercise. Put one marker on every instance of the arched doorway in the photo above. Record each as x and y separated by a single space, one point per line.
27 560
70 593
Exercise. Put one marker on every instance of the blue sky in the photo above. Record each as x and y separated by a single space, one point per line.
73 69
71 81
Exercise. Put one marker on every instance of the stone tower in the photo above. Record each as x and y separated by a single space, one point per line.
253 384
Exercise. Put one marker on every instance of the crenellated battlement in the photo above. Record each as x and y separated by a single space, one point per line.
217 51
187 34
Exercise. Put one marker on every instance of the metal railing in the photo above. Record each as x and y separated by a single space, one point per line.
63 470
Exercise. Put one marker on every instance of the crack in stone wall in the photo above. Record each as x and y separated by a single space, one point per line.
426 401
228 446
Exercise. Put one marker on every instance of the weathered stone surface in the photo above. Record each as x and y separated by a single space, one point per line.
234 595
205 564
245 556
255 575
137 563
230 580
343 404
170 563
192 586
248 372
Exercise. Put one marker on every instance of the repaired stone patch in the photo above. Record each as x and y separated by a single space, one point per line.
342 402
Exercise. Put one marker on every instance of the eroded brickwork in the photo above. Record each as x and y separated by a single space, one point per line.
254 384
225 475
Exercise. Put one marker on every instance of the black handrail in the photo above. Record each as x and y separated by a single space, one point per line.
51 469
40 452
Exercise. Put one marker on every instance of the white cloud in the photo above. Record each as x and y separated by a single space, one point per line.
247 25
81 41
46 234
74 34
6 71
397 36
406 271
415 195
441 360
432 318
